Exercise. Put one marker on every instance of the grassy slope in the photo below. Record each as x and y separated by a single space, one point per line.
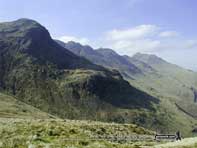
169 83
23 126
12 108
168 118
172 84
50 133
39 72
68 133
185 80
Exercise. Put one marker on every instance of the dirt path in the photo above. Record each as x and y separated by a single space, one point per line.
185 143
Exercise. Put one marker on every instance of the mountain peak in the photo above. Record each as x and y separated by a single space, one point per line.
23 28
77 44
73 43
106 51
148 58
23 22
29 37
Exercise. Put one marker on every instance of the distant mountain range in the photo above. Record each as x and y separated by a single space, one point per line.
148 72
68 80
175 86
104 57
40 72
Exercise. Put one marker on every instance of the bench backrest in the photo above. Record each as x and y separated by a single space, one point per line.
165 137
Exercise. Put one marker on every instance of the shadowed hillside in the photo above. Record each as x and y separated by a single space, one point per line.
10 107
38 71
173 85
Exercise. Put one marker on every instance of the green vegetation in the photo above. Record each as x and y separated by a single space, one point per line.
25 133
39 72
168 80
41 76
172 85
10 107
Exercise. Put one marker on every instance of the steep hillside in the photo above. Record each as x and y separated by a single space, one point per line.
168 80
40 72
10 107
148 72
173 85
103 56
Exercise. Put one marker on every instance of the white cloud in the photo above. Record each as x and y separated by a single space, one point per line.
142 38
145 38
132 40
132 33
66 39
168 44
168 34
191 44
130 47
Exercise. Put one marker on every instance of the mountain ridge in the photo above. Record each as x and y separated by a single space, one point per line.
38 71
154 76
41 73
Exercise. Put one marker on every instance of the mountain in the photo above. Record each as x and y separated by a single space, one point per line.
104 57
169 80
41 73
29 37
174 86
11 107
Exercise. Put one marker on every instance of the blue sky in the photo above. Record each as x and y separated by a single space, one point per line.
163 27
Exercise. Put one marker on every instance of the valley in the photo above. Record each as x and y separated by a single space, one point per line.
55 94
169 83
